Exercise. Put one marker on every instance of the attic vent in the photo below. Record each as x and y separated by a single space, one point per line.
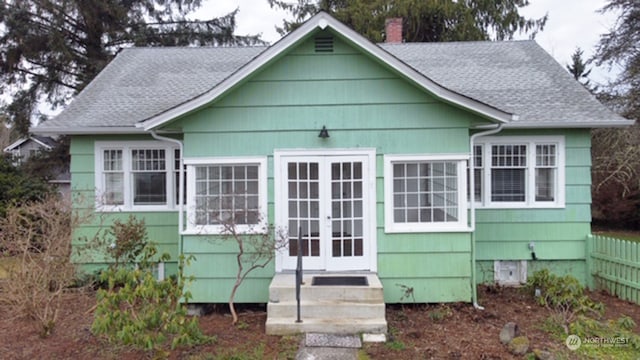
324 44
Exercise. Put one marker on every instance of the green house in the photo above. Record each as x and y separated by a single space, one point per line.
427 167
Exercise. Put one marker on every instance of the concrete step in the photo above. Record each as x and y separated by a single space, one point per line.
328 309
287 326
282 289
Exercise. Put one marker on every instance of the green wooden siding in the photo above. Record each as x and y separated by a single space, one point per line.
559 234
363 105
162 226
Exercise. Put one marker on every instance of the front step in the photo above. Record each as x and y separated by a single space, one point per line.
334 309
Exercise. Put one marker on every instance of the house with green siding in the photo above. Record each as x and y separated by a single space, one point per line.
424 168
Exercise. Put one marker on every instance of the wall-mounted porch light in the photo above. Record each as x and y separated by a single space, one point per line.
324 133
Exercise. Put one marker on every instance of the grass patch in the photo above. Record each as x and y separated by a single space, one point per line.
622 235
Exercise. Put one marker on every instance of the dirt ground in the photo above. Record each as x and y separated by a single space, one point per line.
443 331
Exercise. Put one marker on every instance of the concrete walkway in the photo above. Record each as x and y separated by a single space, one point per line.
329 347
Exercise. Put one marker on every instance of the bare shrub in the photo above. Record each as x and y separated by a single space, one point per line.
37 235
256 249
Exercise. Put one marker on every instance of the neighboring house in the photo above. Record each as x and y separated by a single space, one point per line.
26 147
384 193
32 145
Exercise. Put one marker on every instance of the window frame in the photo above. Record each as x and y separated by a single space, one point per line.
191 163
126 147
531 143
461 225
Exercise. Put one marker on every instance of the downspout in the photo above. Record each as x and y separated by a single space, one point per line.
472 209
180 184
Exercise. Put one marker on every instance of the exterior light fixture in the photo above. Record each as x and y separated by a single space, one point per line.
324 133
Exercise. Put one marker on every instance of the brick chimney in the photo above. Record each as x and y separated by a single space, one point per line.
393 30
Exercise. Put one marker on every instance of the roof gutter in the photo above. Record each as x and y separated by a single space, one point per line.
493 129
180 144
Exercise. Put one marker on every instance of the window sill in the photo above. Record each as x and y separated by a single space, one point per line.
479 206
122 208
219 230
420 228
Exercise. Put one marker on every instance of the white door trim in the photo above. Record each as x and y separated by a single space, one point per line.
370 182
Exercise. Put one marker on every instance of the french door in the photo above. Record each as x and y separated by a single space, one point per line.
326 200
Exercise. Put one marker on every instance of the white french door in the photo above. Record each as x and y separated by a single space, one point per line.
327 200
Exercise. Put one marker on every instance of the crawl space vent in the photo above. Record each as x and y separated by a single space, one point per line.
324 44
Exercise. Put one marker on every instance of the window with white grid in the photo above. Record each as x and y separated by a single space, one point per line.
508 173
546 170
477 173
113 177
226 192
424 193
148 171
136 175
519 171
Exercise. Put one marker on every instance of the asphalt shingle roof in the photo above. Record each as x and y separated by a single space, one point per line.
517 77
142 82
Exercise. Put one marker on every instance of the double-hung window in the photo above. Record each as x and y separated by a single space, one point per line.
136 175
225 192
519 171
425 193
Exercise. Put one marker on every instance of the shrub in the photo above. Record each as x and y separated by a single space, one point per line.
563 295
138 310
37 234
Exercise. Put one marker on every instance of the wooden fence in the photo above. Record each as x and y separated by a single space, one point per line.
614 266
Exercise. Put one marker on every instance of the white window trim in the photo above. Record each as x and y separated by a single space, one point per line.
126 147
191 163
530 185
459 226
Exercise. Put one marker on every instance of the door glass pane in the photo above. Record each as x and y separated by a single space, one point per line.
313 171
335 171
304 208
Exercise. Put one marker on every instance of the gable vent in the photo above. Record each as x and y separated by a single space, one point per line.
324 44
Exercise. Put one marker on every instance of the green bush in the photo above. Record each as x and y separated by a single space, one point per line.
135 308
138 310
563 295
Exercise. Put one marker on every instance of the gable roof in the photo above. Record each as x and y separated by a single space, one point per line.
44 141
516 83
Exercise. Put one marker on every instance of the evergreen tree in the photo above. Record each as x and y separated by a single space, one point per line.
53 48
578 68
423 20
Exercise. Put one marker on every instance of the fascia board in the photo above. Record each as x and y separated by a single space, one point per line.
87 130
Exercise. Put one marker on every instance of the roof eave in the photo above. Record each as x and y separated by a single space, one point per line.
322 20
569 125
87 130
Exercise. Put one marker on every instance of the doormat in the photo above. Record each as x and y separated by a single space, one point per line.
339 281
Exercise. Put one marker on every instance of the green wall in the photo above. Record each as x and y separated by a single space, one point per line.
162 226
363 104
558 234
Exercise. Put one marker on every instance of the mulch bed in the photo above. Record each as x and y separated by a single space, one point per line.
422 331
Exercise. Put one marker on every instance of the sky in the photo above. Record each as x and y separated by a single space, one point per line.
571 23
